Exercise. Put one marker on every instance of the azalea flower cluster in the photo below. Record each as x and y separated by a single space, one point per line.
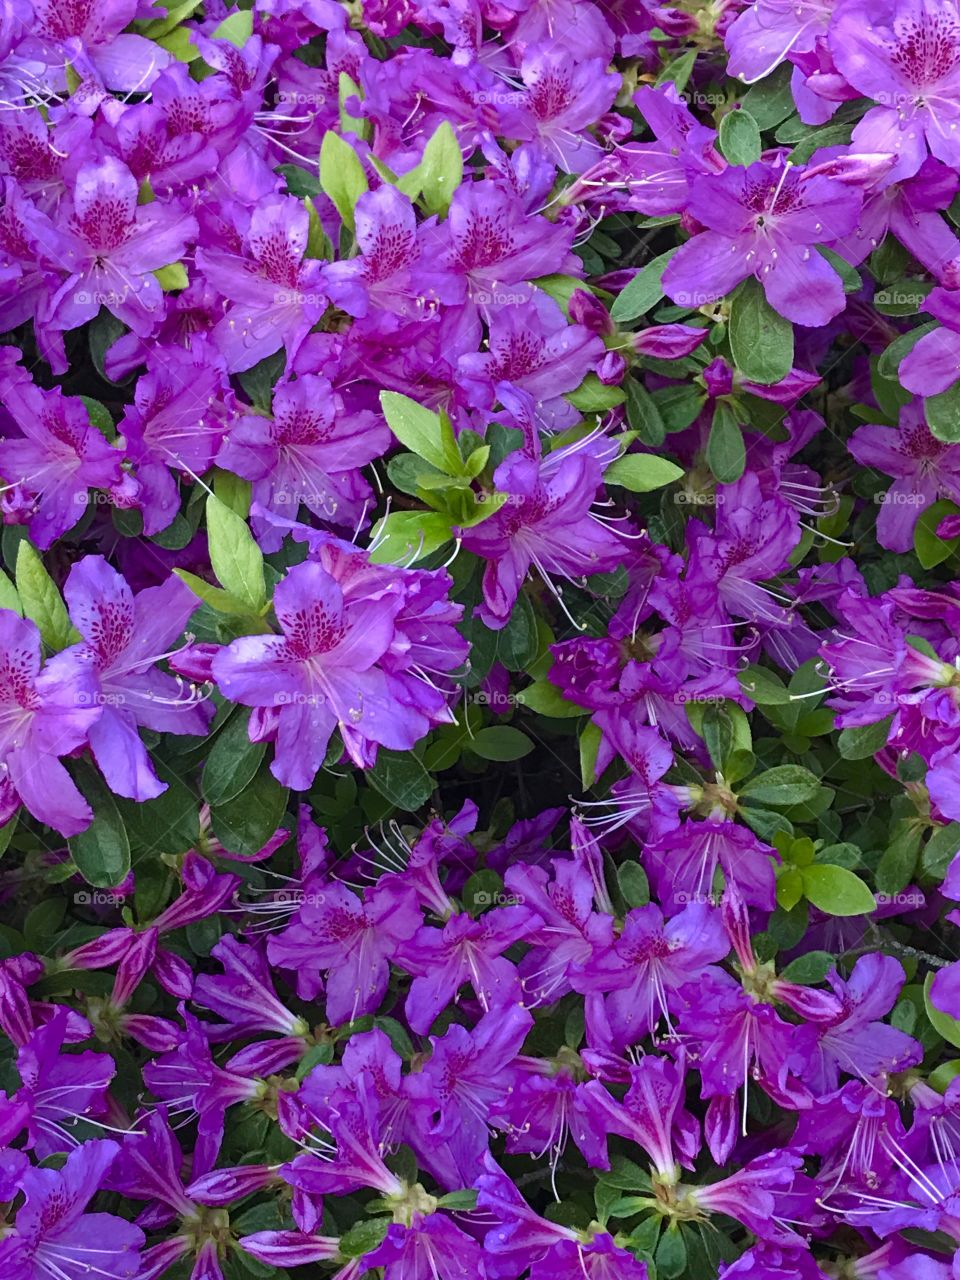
480 639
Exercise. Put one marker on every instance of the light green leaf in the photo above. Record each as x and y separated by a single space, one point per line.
836 890
594 396
546 700
237 27
427 434
218 599
341 175
236 559
9 598
41 601
408 536
642 472
441 169
172 277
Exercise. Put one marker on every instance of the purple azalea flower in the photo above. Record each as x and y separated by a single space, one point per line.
58 1088
546 523
924 469
766 32
54 1236
92 37
46 714
57 460
683 863
392 276
322 673
110 246
649 963
127 635
466 1075
562 98
933 363
765 221
652 1114
432 1247
181 407
350 940
531 349
464 951
905 54
308 451
495 245
909 210
276 294
856 1042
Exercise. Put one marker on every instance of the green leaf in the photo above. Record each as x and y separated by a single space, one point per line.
940 850
594 396
943 1024
500 742
215 597
634 885
246 823
232 762
170 823
102 852
671 1254
233 491
726 454
761 340
237 28
643 291
590 740
9 598
896 868
643 414
100 417
740 137
642 472
348 88
902 297
400 778
441 169
546 700
409 536
341 175
236 559
363 1237
423 432
836 890
770 100
930 548
764 688
41 601
863 741
943 414
809 969
172 277
678 71
787 784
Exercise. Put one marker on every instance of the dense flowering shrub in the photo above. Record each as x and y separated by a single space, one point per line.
480 639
